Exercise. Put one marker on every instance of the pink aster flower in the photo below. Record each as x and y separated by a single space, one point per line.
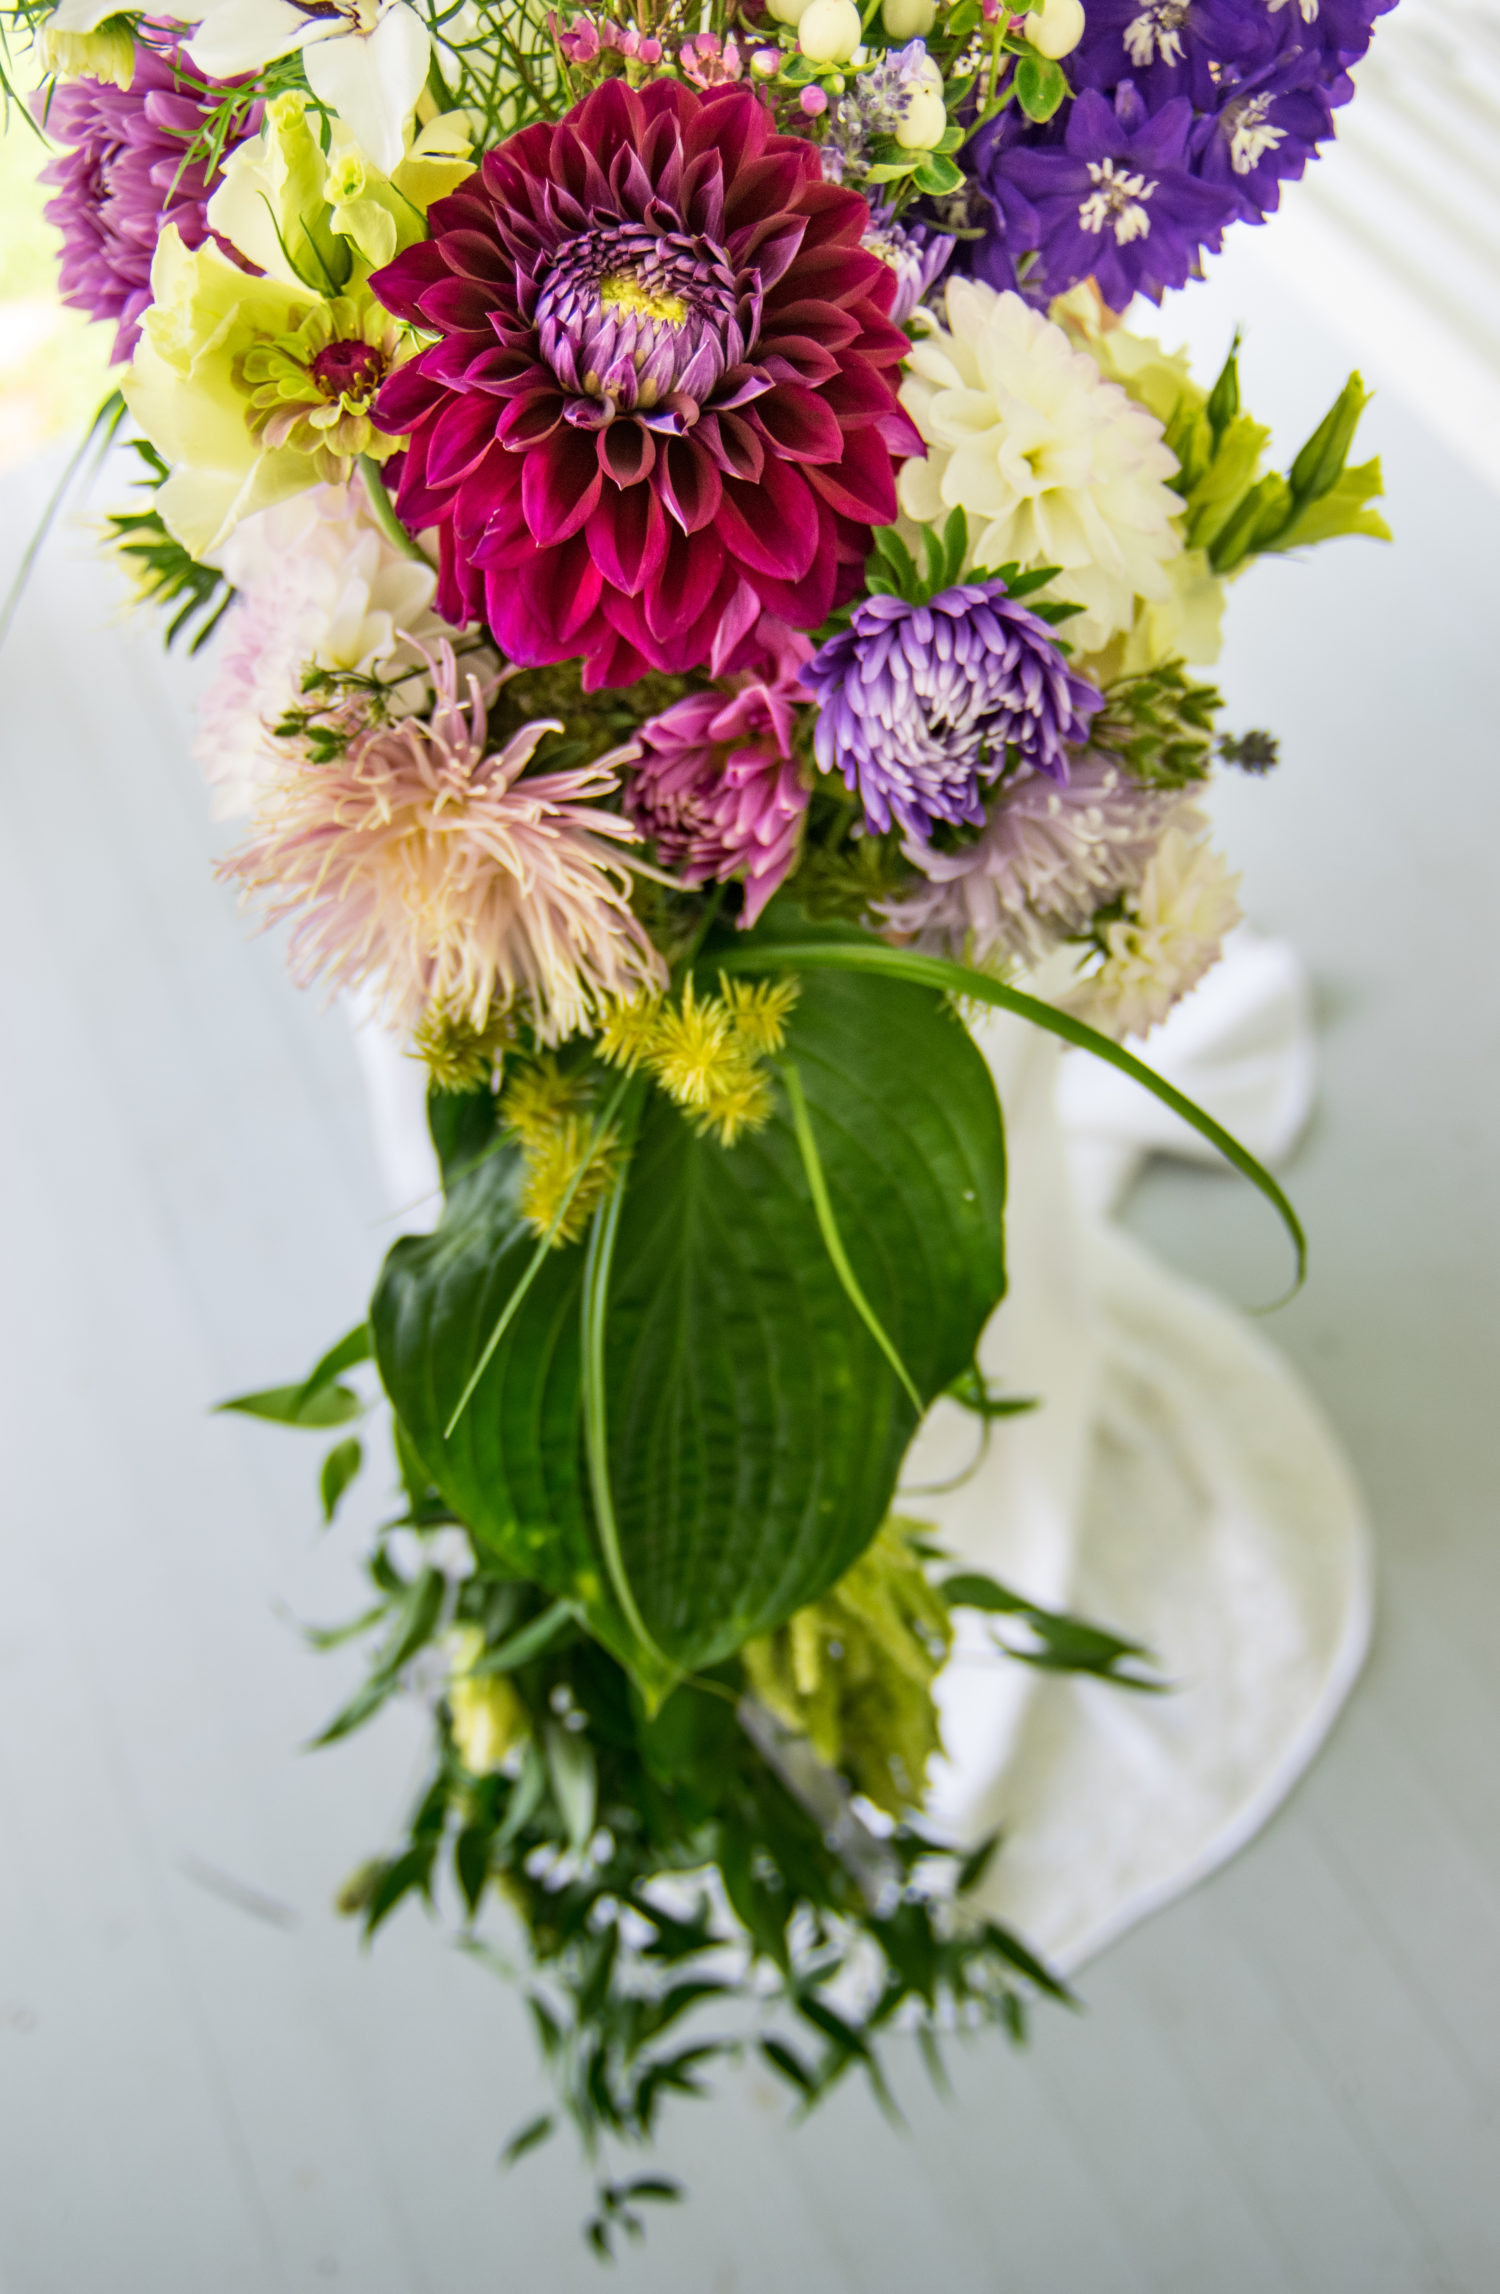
424 865
662 401
717 790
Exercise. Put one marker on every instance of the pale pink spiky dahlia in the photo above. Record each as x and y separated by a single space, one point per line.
422 865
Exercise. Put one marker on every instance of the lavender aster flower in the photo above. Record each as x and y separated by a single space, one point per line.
923 703
917 255
1049 858
1116 201
121 175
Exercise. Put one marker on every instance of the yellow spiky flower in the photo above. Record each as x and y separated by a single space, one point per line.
539 1098
738 1100
458 1055
553 1160
759 1009
694 1048
629 1033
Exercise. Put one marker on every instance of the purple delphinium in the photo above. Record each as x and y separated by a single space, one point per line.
1116 202
1268 126
1179 99
923 704
122 174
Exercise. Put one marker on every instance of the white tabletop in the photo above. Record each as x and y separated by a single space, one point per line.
1287 2081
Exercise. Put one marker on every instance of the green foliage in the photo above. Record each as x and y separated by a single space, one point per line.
635 1993
1059 1643
161 569
1159 725
858 952
892 571
1233 511
753 1425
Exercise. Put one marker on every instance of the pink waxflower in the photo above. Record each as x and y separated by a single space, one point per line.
433 869
718 791
579 44
710 62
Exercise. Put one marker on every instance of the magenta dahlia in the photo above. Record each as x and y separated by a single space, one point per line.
663 398
718 792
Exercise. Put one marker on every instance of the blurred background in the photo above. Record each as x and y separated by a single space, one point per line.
1290 2080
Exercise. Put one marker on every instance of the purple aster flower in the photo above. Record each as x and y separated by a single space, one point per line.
1115 202
717 790
122 174
917 255
923 703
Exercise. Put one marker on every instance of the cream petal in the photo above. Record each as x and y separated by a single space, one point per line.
240 35
372 80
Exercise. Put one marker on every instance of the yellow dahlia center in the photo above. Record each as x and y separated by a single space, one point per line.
624 291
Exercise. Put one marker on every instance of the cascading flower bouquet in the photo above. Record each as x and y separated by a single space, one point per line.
708 592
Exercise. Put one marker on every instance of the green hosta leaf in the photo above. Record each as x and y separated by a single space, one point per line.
754 1425
937 175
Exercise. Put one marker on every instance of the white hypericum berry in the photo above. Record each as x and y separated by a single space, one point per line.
1056 28
829 31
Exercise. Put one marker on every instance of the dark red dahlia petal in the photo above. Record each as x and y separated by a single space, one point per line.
475 255
702 195
612 659
833 214
737 125
502 170
833 274
401 282
611 119
807 602
767 248
406 397
763 190
798 424
732 443
688 481
628 534
459 438
527 420
684 589
568 588
627 452
821 322
797 358
857 394
863 485
772 528
879 341
560 483
450 303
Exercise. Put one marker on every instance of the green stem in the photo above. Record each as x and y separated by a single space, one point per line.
601 1250
383 511
812 1164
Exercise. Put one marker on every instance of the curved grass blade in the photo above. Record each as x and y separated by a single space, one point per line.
961 980
832 1240
512 1306
603 1231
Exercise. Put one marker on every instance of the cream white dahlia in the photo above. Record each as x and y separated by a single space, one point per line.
1052 464
1172 932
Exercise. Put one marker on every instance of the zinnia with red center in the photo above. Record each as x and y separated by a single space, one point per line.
662 401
